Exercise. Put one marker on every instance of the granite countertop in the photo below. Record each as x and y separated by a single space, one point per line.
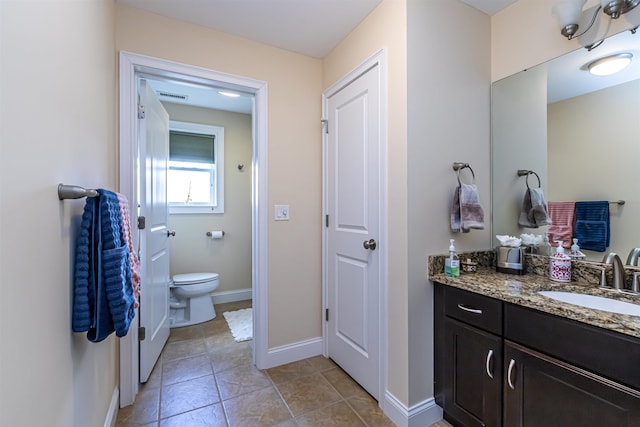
522 290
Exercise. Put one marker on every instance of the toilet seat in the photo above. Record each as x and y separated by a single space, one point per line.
193 278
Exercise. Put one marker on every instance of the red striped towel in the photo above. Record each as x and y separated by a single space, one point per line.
561 227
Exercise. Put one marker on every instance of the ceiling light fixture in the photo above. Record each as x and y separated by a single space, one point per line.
569 11
236 95
610 64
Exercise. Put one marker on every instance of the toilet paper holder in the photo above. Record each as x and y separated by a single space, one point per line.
210 233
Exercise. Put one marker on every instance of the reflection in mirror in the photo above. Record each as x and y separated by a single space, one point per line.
579 132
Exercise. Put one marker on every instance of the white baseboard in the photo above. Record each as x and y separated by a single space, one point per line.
293 352
421 415
112 413
231 296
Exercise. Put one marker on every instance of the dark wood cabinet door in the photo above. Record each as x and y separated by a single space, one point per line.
542 391
473 376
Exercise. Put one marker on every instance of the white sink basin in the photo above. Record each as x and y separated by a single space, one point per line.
595 302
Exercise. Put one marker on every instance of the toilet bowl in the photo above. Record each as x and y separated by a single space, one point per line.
190 301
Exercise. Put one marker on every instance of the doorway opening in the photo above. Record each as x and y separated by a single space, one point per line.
132 68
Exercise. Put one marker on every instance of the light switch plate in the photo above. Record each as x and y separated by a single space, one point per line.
282 213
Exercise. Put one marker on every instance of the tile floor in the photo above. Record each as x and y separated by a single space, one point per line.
205 378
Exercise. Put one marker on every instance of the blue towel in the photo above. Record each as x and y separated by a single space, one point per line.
103 287
593 229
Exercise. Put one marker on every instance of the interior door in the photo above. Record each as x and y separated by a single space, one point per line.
153 137
353 262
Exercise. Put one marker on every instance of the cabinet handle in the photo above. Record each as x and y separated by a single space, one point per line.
512 364
469 309
489 358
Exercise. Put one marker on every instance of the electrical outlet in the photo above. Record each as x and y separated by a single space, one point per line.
282 213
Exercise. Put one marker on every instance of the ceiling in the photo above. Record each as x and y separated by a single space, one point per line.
568 75
308 27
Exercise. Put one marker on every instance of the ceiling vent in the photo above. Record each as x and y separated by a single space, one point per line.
174 96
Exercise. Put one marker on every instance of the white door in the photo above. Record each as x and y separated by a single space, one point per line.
352 203
153 140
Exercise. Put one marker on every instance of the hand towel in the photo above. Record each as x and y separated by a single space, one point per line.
103 292
534 210
561 228
592 227
466 211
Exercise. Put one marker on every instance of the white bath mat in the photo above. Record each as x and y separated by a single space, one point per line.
241 324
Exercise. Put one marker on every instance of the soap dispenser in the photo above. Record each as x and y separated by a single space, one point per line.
452 263
576 253
560 265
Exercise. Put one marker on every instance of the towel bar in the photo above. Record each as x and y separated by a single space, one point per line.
618 202
525 172
458 166
74 192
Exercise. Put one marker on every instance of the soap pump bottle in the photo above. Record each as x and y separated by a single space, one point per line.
452 263
560 265
576 253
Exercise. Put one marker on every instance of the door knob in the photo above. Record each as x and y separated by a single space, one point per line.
171 233
370 244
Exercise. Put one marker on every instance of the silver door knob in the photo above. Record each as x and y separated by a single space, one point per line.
171 233
370 244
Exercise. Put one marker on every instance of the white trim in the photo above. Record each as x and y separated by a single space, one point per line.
378 59
131 65
293 352
231 296
112 412
422 414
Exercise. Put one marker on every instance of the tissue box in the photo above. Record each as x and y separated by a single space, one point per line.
469 266
510 260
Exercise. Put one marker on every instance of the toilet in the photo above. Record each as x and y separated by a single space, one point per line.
190 301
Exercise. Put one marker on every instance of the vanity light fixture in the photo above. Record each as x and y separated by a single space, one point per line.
610 64
236 95
569 11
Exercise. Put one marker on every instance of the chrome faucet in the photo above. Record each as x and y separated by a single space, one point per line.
634 255
618 270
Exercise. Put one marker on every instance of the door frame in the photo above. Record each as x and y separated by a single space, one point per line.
379 59
131 64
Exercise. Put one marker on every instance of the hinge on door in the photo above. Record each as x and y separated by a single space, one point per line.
326 221
325 125
326 314
142 333
141 112
142 222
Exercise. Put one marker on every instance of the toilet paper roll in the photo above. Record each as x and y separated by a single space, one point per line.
215 234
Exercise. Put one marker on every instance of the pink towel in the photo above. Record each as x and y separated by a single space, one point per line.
561 227
133 256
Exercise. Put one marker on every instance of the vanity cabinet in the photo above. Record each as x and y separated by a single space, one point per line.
543 391
500 364
470 359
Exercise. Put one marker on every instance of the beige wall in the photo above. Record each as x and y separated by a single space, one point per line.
191 250
590 158
294 152
58 126
448 121
386 27
527 33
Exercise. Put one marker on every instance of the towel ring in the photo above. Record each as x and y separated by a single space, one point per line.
459 167
527 179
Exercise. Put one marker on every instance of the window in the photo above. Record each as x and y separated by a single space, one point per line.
195 179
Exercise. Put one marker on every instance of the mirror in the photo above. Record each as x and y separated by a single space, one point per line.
579 132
